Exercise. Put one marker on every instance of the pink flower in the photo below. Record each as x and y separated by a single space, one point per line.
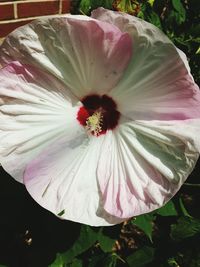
99 116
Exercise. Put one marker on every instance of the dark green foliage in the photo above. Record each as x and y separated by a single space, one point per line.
86 239
167 210
184 228
86 6
145 223
141 257
105 241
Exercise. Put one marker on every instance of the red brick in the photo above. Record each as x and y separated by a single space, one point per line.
65 6
6 12
34 9
9 27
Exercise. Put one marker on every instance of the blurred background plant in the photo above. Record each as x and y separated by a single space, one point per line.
169 237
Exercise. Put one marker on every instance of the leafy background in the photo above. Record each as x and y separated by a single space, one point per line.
169 237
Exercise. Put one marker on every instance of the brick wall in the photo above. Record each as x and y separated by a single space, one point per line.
16 13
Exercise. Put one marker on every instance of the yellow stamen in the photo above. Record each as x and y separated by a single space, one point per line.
94 122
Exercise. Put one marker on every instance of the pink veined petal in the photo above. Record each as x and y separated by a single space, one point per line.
35 110
134 169
185 130
63 178
144 167
157 84
83 52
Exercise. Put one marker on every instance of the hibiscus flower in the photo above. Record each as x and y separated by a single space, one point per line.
99 115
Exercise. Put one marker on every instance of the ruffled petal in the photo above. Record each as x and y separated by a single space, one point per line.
35 110
142 166
131 170
63 179
83 52
157 84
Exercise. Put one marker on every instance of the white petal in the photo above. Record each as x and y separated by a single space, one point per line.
63 178
84 53
35 110
157 84
141 167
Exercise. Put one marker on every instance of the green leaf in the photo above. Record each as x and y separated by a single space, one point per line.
75 263
186 227
181 42
174 18
167 210
147 13
172 262
102 3
104 260
86 239
141 257
183 209
127 6
154 19
178 6
198 50
151 2
95 260
61 213
58 261
110 261
85 6
105 241
145 223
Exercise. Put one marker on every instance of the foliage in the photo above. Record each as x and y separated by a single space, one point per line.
149 233
141 257
169 236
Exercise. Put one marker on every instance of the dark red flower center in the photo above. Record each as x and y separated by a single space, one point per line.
98 114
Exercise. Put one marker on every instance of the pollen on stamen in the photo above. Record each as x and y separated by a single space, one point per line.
94 123
98 114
